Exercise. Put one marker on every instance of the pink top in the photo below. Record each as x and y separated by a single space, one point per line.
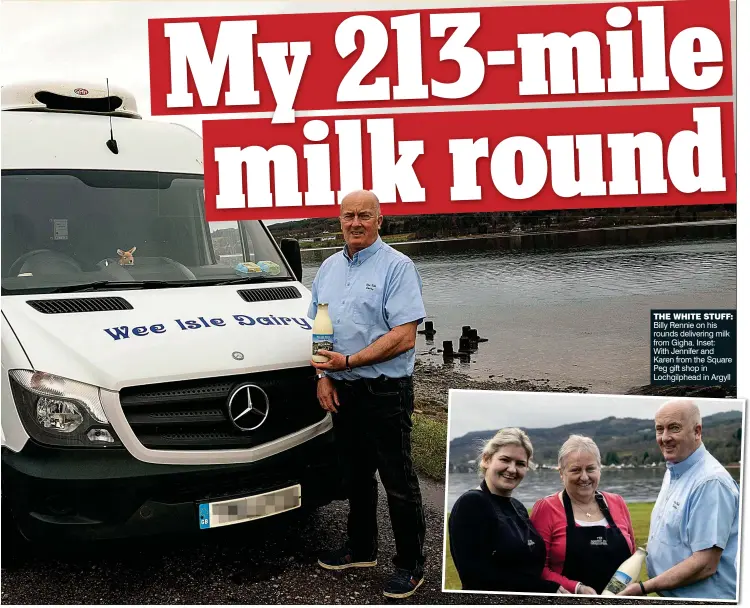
548 517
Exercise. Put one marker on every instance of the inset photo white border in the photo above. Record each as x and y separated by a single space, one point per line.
474 416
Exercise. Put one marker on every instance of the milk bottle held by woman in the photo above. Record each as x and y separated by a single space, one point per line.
322 338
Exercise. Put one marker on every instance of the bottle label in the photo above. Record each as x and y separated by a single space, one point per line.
322 342
618 582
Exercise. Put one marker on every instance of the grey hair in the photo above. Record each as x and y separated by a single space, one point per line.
578 443
509 436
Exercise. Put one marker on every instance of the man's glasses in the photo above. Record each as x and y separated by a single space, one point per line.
365 216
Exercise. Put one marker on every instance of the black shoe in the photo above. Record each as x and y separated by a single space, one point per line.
403 583
341 559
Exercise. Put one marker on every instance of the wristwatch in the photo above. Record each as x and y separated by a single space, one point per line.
348 368
320 376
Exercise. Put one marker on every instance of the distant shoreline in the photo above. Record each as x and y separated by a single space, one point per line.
729 221
550 240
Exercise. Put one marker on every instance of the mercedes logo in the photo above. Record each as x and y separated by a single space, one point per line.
238 355
248 407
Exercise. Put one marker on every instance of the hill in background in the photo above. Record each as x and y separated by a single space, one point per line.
626 441
326 232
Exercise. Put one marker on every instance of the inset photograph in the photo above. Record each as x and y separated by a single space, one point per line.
607 495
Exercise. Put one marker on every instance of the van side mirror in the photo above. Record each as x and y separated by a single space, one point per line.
290 249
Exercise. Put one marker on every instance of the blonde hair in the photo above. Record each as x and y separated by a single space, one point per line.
578 443
510 436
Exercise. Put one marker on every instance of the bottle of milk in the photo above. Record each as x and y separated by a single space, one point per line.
322 338
628 572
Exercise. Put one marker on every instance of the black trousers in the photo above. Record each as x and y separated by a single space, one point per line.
373 433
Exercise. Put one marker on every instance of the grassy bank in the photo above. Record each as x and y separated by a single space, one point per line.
640 514
429 444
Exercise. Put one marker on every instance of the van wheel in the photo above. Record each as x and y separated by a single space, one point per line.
15 546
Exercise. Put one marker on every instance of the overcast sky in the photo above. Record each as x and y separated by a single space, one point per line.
91 41
484 410
94 40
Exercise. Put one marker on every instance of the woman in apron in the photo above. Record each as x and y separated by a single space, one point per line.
587 533
492 540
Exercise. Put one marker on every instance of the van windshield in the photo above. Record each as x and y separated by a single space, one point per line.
69 230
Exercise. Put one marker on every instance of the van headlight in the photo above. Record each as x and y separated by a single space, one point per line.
58 411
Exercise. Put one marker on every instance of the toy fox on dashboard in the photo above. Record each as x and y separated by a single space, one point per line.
126 257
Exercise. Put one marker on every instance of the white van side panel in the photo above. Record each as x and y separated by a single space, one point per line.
14 436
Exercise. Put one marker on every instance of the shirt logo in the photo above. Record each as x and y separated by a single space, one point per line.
370 286
531 543
676 504
599 542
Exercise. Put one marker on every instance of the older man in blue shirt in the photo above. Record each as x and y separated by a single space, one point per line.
693 540
374 297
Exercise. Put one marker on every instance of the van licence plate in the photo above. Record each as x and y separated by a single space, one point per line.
239 510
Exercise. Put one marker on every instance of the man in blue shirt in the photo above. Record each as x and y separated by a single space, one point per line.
374 297
693 540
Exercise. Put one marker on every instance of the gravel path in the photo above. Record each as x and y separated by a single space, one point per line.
270 562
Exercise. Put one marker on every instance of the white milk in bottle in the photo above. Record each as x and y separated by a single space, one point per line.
628 572
322 333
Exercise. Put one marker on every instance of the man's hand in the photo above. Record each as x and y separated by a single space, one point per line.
336 361
699 566
562 590
631 589
327 395
586 590
399 340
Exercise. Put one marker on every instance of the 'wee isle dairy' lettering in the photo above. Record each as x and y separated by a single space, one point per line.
124 332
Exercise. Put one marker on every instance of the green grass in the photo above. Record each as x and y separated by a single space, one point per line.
429 437
452 580
640 514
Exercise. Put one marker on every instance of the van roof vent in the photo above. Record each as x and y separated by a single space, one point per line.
268 294
78 97
74 305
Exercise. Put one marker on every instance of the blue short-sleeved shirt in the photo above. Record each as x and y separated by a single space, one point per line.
369 294
698 508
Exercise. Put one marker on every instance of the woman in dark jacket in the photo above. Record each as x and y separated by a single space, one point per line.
493 543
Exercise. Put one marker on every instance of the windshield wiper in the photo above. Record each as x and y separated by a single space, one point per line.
261 279
150 284
106 285
93 286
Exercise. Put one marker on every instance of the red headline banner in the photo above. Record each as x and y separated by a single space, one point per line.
478 161
432 57
614 150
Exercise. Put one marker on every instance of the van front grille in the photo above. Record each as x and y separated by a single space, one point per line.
193 415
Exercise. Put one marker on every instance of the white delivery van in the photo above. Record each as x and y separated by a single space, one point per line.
155 367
